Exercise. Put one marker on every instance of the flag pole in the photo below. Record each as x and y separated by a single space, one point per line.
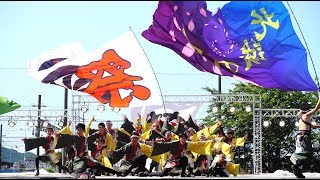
305 43
164 107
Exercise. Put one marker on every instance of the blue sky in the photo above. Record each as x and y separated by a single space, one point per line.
31 28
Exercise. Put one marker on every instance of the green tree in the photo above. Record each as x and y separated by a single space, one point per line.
277 142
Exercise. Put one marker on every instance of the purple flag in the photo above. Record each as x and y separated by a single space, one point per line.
251 41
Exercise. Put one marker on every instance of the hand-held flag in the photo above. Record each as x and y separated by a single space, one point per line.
252 41
117 74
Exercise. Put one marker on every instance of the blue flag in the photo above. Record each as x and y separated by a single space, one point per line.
253 41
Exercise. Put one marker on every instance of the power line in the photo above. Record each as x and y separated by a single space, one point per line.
11 68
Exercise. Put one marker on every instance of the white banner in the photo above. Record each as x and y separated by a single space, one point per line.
117 74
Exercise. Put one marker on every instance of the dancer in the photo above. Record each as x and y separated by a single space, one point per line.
176 158
218 166
202 163
97 154
79 152
50 154
234 142
103 134
112 131
177 153
133 156
303 152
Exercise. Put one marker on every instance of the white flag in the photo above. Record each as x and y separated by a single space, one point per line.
118 73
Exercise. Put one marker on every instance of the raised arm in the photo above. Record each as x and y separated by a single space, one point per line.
313 111
88 127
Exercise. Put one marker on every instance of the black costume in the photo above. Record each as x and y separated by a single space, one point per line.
303 153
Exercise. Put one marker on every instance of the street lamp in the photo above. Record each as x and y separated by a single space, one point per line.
84 109
116 109
101 108
30 123
248 108
215 109
281 123
266 123
45 124
11 123
232 109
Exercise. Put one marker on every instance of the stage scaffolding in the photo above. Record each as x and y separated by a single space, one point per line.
253 99
54 117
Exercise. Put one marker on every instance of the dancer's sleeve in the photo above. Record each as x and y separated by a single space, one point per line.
201 147
32 143
66 130
65 140
233 168
160 148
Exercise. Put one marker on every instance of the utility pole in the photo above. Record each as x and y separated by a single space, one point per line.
219 91
39 119
1 146
219 84
65 119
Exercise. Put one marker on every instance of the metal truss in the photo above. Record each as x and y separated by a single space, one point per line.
53 117
281 112
257 142
16 118
226 98
223 97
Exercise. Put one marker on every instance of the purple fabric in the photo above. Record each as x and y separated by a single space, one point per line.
214 42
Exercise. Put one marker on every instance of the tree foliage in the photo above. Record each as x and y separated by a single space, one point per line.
277 141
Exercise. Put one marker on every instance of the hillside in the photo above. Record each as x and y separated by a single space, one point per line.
15 155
